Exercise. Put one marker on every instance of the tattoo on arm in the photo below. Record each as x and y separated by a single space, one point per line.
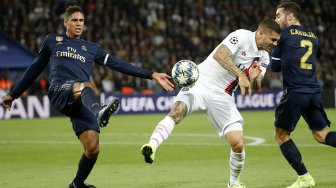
178 111
223 56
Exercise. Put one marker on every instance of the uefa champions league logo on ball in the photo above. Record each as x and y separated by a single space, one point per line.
185 73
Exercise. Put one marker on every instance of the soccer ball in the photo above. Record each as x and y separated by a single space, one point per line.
185 73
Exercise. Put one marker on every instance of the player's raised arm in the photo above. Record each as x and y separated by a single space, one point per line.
276 59
119 65
33 71
223 56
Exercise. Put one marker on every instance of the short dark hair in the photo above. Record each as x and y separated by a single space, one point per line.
269 24
291 7
70 10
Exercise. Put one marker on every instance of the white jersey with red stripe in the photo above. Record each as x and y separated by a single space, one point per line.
243 46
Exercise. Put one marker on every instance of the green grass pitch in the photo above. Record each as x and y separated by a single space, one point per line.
45 152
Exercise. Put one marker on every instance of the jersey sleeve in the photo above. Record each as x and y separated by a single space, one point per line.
319 51
234 40
34 70
117 64
100 55
276 59
265 61
276 55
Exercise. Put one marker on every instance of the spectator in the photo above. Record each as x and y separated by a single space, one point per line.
166 31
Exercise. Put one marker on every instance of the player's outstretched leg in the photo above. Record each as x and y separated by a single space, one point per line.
304 181
160 134
148 152
72 185
106 112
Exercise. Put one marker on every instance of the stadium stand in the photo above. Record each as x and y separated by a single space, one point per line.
155 34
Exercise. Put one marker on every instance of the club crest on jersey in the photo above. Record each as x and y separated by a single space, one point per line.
84 48
59 40
243 53
233 40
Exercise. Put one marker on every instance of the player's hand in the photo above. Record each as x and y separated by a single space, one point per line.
7 101
163 80
254 71
244 84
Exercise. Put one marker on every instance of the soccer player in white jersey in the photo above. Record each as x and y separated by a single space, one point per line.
240 59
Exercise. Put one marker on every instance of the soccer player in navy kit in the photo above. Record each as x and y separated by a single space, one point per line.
295 55
70 59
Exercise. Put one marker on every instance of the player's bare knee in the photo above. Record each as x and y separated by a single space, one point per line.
320 135
277 138
91 150
178 112
78 88
238 147
281 135
320 138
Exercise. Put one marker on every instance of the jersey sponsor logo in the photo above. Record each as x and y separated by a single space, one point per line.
234 40
243 53
71 53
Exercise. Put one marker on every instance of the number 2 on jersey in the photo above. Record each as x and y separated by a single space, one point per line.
303 63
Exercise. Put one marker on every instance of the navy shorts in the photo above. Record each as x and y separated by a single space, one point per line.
61 97
293 105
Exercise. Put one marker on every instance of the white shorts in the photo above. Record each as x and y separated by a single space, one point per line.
219 106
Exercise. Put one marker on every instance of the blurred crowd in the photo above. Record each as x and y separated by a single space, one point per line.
156 33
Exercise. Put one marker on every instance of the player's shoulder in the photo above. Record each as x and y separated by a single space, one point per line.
246 35
242 33
240 36
91 44
53 37
297 30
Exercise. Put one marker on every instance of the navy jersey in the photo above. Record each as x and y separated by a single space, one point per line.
295 55
71 59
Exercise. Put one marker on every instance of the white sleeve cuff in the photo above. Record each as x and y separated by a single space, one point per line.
105 60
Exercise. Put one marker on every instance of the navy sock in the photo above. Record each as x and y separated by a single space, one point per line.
330 139
293 156
89 100
84 168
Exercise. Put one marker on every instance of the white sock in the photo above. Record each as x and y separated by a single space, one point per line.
236 166
161 132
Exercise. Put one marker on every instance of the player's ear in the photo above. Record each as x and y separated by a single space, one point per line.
290 17
261 31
